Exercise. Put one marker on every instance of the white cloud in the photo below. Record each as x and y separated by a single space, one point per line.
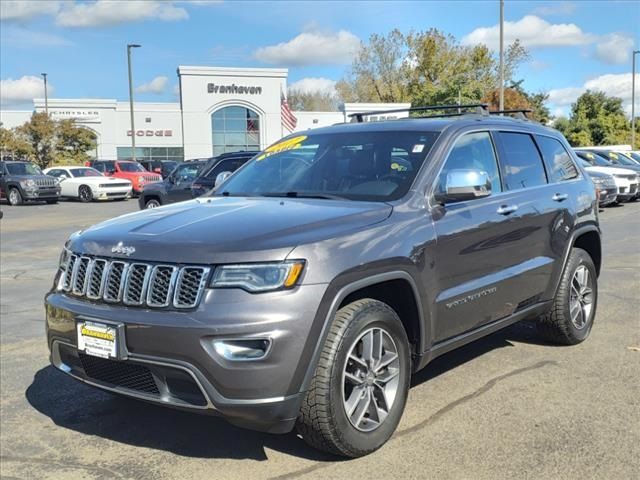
614 48
156 86
314 84
22 90
555 8
616 85
113 12
532 31
23 10
19 37
312 48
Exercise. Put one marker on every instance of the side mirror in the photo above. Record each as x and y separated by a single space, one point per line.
222 176
466 184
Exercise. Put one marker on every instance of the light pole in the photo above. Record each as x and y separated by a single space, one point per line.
46 98
633 99
501 55
133 128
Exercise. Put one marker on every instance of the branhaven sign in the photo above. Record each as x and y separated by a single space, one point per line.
234 89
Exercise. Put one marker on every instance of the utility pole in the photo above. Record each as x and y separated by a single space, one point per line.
46 97
133 127
633 99
501 55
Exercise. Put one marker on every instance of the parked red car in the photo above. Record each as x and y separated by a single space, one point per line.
130 170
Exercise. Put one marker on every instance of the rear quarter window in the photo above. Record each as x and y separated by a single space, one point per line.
560 167
520 161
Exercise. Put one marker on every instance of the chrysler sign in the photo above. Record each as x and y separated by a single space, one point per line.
233 88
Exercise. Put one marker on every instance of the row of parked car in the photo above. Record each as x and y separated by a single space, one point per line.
616 176
157 184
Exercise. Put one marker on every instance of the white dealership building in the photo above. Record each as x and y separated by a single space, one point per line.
219 110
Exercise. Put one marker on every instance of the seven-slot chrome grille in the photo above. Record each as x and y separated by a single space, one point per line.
134 283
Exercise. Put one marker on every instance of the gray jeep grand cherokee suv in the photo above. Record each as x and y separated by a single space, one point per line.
309 286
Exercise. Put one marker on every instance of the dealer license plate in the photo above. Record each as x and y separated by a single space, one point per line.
98 339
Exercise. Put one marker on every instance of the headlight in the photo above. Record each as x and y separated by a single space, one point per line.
599 180
258 277
30 183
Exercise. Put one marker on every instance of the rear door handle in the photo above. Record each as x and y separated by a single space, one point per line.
507 209
559 197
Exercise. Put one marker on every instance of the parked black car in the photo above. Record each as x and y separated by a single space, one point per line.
227 162
24 181
163 167
176 187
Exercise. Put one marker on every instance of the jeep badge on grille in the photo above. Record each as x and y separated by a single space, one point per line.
121 249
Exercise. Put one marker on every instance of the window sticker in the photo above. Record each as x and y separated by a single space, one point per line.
398 168
418 148
591 156
283 146
613 155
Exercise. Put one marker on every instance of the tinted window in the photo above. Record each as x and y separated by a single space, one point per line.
131 167
23 169
593 159
353 165
85 172
559 163
472 151
521 163
230 165
186 172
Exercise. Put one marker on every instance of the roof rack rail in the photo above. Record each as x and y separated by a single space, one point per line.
521 113
480 108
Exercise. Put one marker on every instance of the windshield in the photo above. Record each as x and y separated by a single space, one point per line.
367 166
621 159
595 159
131 167
635 156
85 172
23 169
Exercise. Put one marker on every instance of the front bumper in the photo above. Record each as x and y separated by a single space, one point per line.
176 348
111 193
41 193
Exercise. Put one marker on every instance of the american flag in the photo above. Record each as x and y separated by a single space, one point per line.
289 120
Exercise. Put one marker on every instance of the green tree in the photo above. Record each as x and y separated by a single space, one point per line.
13 145
73 143
596 119
40 134
425 68
312 101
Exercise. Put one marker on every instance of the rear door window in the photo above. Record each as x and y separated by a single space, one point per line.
558 161
520 161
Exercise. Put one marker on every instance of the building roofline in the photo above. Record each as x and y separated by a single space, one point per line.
232 71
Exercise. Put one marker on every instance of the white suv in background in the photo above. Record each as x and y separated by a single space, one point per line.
627 181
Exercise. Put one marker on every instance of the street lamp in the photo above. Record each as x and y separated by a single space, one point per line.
46 98
633 99
133 129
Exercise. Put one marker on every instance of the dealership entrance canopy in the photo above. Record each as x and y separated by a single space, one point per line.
219 109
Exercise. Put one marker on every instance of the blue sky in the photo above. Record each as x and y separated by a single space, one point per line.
81 44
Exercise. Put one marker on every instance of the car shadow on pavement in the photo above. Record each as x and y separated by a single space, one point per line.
73 405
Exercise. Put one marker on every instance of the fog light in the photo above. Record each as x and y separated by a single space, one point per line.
238 350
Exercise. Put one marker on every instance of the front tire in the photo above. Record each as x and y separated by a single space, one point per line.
84 194
15 197
359 390
570 319
152 203
52 201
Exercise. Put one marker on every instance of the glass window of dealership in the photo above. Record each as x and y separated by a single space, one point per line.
151 153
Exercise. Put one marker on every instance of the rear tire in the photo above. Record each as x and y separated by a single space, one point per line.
570 319
14 198
354 405
84 194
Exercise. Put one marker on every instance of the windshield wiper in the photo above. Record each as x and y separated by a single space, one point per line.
323 196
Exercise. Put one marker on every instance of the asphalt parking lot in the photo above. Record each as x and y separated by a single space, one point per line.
507 406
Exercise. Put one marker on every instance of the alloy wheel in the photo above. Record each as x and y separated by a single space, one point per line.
85 194
581 298
370 379
152 204
14 197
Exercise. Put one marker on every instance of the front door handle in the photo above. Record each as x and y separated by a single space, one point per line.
559 197
507 209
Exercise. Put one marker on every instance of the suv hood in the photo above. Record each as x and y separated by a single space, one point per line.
228 229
